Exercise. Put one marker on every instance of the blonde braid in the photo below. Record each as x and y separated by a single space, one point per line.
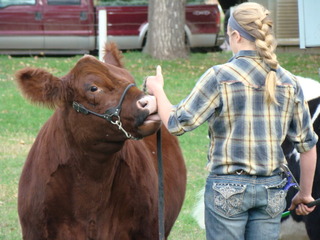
255 19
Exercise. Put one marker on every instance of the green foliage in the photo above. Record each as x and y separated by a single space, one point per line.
20 122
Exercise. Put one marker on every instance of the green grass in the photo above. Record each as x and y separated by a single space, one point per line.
20 122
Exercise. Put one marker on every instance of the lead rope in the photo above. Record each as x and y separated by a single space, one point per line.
160 187
160 178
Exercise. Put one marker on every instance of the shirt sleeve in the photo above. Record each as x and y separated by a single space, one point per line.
301 130
196 108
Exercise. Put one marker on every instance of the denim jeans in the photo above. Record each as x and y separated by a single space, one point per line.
239 207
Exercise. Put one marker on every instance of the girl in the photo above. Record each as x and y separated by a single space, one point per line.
250 104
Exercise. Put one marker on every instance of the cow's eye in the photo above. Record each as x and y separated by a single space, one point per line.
93 88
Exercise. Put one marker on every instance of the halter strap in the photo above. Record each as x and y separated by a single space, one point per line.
112 114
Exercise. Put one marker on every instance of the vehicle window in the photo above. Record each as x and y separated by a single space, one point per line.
5 3
64 2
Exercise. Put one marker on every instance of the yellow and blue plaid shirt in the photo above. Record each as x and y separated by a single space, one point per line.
245 132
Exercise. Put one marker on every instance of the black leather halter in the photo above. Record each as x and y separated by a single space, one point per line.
112 115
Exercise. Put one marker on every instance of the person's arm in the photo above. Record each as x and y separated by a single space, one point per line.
193 110
155 87
307 170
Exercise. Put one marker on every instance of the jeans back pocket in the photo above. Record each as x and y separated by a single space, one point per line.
276 198
228 198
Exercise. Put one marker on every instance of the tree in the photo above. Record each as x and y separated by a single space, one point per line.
166 35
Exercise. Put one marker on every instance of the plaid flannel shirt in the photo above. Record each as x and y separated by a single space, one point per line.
245 133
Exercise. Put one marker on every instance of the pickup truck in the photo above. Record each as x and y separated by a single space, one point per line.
71 26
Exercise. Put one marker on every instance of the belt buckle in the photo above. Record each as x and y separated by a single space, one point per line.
240 172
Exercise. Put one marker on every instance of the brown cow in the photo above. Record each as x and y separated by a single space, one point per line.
83 178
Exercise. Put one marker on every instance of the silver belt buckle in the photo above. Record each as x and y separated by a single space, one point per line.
239 172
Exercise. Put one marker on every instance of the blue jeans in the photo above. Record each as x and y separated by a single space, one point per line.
239 207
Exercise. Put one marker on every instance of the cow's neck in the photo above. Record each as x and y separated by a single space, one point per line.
91 137
101 151
98 160
98 170
94 155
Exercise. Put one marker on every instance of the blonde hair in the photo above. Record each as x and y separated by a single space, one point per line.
256 20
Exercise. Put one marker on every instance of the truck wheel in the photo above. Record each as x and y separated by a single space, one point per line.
187 42
144 43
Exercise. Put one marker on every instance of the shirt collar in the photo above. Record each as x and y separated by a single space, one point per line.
244 53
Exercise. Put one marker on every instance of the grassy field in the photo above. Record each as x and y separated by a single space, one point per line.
20 122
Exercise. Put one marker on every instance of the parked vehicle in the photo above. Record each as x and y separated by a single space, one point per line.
70 26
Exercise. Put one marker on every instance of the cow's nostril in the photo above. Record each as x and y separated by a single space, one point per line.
142 103
148 103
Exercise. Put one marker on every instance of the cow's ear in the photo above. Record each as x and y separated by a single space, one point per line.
112 55
40 86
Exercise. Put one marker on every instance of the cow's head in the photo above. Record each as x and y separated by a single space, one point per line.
93 87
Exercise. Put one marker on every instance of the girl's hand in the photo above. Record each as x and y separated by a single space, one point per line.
154 83
299 204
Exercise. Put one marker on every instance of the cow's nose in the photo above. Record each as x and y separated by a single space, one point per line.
142 103
149 103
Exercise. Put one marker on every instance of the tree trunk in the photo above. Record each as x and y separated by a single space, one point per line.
166 35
